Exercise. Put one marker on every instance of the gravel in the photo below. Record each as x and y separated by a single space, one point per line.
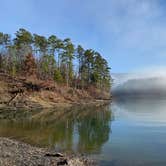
14 153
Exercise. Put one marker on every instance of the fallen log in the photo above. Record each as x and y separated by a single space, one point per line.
53 155
12 98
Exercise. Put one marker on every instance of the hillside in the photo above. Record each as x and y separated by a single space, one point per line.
19 92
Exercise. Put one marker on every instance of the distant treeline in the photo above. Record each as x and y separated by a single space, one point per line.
33 55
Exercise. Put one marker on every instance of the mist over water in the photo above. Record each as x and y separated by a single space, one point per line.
146 82
138 135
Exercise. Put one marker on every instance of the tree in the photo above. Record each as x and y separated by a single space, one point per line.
67 57
56 47
80 56
41 46
88 65
59 49
53 59
58 76
23 44
5 42
13 61
48 66
40 43
52 42
23 37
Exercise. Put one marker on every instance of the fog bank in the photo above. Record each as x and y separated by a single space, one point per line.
145 82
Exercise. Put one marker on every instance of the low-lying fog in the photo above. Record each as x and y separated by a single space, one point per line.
150 82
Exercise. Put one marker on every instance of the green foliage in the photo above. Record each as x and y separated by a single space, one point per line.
13 60
53 59
67 57
48 65
57 76
40 43
23 37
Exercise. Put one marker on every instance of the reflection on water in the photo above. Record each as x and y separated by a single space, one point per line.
142 110
130 132
138 135
80 130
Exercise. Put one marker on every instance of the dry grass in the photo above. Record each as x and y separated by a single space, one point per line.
45 94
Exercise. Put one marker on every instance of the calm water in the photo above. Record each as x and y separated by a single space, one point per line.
128 132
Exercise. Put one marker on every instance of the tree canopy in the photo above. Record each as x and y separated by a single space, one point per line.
53 58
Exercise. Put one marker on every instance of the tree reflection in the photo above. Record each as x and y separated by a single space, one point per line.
84 130
93 130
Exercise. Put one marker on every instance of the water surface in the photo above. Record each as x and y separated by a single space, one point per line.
128 132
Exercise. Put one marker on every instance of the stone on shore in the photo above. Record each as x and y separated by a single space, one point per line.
14 153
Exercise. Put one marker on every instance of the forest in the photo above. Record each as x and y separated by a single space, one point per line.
51 58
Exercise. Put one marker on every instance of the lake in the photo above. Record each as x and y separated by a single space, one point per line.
130 131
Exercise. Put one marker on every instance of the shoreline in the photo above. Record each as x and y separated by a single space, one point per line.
17 153
48 113
64 105
20 100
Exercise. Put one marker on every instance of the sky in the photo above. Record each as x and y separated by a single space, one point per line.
130 34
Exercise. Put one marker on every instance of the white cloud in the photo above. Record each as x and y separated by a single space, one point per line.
136 24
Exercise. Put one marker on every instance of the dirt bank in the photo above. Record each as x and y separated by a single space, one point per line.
33 94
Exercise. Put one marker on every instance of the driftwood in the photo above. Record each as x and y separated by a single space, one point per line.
12 98
53 155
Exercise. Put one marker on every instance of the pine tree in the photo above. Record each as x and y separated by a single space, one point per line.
54 59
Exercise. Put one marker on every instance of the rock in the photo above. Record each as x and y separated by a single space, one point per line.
14 153
62 162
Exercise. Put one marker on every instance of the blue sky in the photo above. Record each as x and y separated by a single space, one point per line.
130 34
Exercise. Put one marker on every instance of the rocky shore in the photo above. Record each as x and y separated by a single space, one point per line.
14 153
